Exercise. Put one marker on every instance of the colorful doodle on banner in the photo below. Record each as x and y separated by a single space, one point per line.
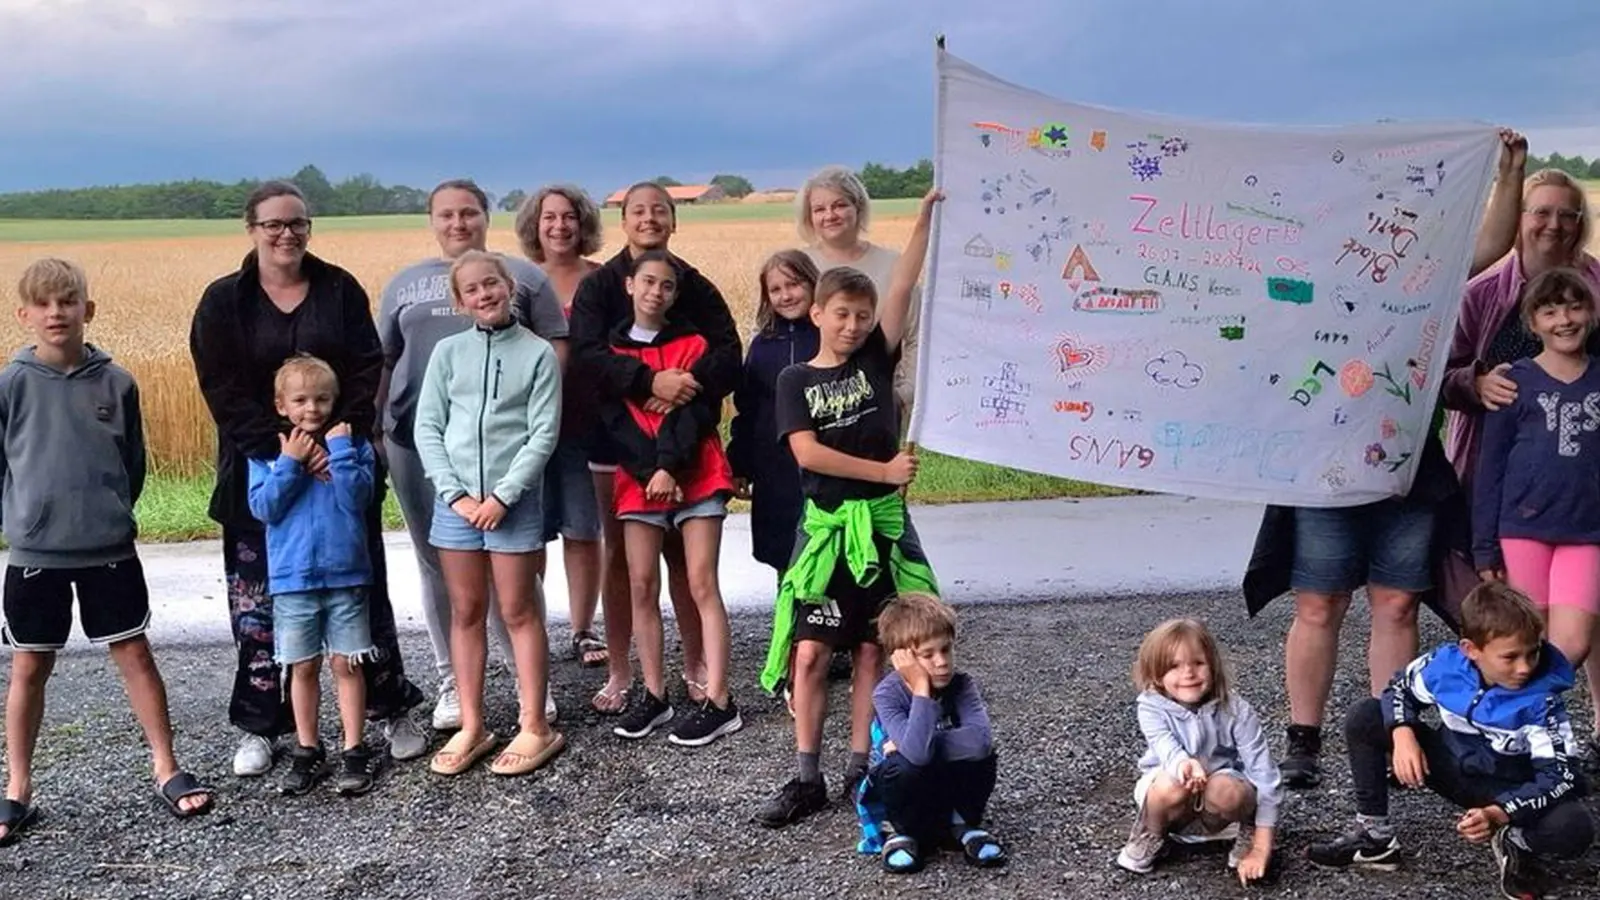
1246 313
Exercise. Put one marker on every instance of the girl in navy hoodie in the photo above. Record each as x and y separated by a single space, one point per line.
1536 509
763 467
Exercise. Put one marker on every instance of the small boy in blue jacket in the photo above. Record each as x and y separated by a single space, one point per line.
1501 753
312 500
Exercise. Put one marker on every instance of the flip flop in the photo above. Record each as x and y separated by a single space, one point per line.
516 762
450 762
621 698
184 785
590 650
17 817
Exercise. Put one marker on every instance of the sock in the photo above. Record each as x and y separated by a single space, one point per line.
810 768
1376 826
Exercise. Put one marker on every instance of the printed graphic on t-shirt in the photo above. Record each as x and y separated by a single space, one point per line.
841 403
1567 419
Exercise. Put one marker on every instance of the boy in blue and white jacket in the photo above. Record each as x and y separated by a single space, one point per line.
312 499
1501 753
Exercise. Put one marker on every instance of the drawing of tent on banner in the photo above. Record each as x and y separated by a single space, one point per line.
979 247
1078 268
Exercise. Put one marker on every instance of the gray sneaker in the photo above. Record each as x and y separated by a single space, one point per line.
254 756
1144 847
405 738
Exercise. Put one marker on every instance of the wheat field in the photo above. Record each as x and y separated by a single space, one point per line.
145 292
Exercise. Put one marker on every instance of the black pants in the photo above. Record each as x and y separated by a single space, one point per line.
1564 830
260 704
920 799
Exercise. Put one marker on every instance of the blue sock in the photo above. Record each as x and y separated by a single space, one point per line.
900 859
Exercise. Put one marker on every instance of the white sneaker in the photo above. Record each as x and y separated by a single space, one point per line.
447 712
254 756
405 738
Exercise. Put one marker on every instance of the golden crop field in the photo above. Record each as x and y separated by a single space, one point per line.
146 290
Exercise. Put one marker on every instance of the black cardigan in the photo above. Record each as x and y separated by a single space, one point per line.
334 323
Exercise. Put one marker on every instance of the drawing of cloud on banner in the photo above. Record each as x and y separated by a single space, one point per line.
1173 368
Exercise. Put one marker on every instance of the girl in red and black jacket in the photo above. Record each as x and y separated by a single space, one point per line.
672 474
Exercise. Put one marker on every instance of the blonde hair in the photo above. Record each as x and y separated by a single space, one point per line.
1558 178
1158 652
51 277
309 369
797 264
472 256
834 178
527 226
912 618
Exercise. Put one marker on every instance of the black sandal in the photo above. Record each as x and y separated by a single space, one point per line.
586 645
184 785
17 817
898 844
973 843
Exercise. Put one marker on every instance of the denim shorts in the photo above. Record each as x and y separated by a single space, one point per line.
1388 543
308 624
713 507
521 531
571 509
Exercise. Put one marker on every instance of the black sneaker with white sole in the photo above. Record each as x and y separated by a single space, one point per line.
705 724
1357 847
645 714
1521 876
307 766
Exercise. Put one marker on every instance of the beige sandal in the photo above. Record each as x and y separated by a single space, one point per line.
619 697
518 761
455 762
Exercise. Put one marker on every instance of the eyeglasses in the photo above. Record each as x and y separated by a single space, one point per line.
1546 213
275 227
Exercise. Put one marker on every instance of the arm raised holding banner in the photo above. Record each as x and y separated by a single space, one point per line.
895 308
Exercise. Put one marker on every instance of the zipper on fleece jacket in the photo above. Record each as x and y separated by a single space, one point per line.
483 408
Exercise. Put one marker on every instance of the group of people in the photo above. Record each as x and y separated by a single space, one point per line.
513 401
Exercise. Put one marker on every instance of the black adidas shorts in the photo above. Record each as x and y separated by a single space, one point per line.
113 604
849 617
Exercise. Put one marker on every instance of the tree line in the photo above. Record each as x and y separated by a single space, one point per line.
358 195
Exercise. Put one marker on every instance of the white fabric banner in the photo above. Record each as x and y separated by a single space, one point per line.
1241 312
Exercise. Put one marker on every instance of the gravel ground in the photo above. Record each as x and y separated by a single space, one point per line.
652 820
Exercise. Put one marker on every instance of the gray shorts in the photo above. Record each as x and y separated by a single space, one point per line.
571 509
713 507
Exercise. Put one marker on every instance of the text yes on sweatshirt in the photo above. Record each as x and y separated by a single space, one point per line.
1539 464
488 414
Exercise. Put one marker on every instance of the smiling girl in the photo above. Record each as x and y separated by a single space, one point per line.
487 419
1536 499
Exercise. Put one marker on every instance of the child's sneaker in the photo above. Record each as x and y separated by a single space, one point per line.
254 756
355 772
1519 870
705 724
447 712
1300 767
1357 847
794 802
1144 847
644 715
307 766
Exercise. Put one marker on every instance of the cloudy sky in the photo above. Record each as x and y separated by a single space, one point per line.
602 92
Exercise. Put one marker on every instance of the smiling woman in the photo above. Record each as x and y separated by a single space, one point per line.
282 302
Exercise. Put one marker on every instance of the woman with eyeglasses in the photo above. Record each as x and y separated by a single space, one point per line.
282 302
1490 335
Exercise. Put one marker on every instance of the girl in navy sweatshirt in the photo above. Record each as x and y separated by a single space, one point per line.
763 466
1536 505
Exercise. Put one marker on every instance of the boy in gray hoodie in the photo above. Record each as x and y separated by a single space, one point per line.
72 464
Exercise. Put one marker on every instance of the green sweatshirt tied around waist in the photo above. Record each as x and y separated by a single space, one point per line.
848 530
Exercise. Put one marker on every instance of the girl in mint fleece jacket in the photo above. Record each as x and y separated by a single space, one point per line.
487 420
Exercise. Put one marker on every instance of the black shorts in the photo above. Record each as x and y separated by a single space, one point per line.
113 604
849 617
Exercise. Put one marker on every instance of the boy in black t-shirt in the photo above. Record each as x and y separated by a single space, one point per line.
856 549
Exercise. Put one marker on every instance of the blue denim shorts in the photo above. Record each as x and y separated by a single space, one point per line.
571 509
1388 543
521 531
713 507
308 624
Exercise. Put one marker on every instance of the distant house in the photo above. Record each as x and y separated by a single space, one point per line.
686 193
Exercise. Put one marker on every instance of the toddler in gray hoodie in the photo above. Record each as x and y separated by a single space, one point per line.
1206 770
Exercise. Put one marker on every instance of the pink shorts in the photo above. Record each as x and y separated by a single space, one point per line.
1554 574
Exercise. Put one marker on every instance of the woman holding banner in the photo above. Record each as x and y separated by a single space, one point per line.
1553 231
1391 546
